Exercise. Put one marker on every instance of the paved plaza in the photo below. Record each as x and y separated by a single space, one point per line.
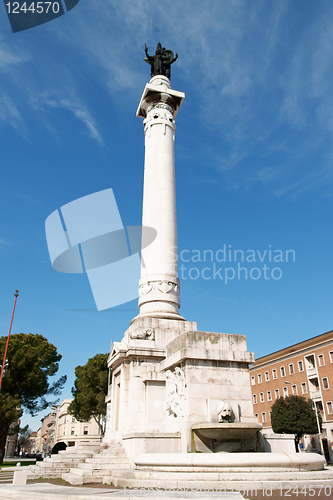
46 491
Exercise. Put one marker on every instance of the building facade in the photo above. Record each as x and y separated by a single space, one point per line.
59 426
303 369
67 429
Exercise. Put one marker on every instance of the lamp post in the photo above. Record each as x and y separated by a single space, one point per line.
10 328
315 409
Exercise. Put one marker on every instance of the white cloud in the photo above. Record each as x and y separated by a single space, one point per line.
11 55
11 115
48 100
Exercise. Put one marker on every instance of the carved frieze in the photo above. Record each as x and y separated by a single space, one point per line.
159 113
163 286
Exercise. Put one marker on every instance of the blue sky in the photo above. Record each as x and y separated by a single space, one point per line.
254 156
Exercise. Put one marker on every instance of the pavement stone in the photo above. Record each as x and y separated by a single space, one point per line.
46 491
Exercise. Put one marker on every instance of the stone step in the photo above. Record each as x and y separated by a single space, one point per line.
88 473
110 460
94 447
51 465
92 479
72 478
6 476
79 465
140 478
49 474
72 460
49 470
80 454
104 467
119 453
118 449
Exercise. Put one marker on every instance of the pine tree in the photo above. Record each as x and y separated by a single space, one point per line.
31 360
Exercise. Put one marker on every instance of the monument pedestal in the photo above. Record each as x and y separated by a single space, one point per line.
166 377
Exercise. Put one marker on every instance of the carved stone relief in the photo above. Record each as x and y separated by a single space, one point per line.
147 334
175 393
224 412
108 412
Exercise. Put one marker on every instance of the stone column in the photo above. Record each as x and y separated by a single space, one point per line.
159 284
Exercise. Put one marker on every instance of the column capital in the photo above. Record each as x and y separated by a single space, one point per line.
159 93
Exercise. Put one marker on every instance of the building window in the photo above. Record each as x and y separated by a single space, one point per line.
263 417
276 393
270 414
291 369
313 384
321 360
325 383
261 397
274 374
85 430
269 396
329 407
256 415
266 376
285 392
319 406
253 381
259 378
331 356
73 419
301 366
283 371
294 390
72 431
254 399
304 389
310 362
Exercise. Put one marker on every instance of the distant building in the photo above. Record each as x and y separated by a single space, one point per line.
29 445
42 435
68 430
303 369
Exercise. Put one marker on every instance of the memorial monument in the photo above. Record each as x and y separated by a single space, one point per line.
166 375
179 408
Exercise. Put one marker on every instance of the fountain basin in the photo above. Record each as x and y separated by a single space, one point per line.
238 462
225 437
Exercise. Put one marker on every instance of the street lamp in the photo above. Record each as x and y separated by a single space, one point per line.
10 328
315 409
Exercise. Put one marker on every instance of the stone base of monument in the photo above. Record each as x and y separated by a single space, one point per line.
168 377
109 464
180 405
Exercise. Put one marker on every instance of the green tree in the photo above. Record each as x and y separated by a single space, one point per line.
294 415
90 389
23 438
31 360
